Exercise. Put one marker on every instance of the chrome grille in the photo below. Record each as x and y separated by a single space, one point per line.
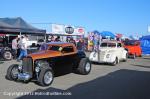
27 65
102 55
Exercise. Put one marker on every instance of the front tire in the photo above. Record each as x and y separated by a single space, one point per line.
46 76
115 62
12 72
84 66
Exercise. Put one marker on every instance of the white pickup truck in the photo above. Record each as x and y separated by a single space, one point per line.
30 43
111 52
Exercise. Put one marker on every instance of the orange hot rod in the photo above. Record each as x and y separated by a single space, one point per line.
42 65
133 48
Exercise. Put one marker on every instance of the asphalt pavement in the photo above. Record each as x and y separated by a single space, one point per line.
127 80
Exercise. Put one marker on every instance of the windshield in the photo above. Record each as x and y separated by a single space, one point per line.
50 47
131 42
108 45
55 48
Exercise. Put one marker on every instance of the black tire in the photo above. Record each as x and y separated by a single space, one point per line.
10 75
42 76
7 55
84 67
115 62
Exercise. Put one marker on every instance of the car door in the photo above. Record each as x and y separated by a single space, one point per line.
68 55
63 63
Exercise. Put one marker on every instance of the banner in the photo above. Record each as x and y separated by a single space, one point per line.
57 28
67 30
79 31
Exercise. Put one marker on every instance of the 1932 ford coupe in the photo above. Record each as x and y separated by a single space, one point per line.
42 65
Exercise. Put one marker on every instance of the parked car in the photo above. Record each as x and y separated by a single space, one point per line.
5 50
42 65
133 48
6 53
111 52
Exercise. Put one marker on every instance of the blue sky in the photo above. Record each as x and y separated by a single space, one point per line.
129 17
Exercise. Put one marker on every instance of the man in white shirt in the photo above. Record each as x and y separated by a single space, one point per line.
15 47
23 47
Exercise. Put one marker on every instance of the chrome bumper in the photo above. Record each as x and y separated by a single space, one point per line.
24 76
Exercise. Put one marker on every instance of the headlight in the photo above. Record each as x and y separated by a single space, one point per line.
20 67
108 56
38 65
37 69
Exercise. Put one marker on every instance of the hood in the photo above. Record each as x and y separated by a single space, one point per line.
44 54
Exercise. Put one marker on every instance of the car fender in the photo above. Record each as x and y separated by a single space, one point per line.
5 49
113 57
124 53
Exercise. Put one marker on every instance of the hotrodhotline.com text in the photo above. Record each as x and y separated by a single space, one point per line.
36 93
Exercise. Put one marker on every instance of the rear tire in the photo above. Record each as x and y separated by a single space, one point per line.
84 67
12 72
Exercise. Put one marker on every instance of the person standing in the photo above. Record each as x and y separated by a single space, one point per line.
23 47
80 45
15 47
72 41
57 39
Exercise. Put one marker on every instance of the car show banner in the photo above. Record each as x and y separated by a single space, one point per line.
57 28
67 30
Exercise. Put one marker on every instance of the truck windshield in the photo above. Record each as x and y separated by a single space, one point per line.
108 45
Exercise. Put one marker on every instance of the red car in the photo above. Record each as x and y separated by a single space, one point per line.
133 48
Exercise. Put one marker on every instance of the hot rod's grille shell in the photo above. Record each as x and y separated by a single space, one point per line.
27 65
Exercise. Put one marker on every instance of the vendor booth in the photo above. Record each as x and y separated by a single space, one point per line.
11 27
145 44
17 25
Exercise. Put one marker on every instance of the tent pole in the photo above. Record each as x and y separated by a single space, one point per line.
20 34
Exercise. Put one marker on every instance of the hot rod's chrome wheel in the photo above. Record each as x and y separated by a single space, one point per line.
14 72
48 77
87 67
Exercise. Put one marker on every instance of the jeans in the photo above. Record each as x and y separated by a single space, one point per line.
14 52
23 53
